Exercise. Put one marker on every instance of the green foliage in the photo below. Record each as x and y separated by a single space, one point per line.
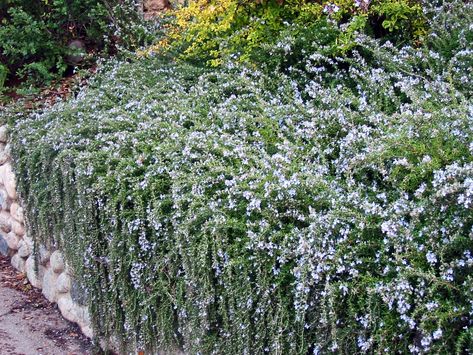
400 15
215 30
3 76
324 209
22 37
34 35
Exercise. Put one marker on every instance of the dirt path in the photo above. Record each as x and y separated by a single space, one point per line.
31 325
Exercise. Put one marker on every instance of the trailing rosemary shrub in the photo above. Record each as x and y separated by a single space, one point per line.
226 211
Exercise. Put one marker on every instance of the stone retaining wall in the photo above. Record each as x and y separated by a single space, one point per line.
51 273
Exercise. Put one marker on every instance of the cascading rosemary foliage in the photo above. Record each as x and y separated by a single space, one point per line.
229 212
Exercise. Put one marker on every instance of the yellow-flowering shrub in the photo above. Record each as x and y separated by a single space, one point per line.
215 29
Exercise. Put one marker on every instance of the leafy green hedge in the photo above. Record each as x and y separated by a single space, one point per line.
216 31
326 210
34 35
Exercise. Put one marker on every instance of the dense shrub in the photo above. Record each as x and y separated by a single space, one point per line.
228 211
215 30
34 35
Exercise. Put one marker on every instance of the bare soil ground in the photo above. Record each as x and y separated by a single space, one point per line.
29 324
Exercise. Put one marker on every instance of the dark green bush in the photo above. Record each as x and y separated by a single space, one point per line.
34 35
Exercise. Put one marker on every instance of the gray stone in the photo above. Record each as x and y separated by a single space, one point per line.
4 200
63 283
67 307
13 207
35 277
18 263
4 156
8 149
5 221
28 241
77 52
49 285
17 212
19 215
79 293
24 249
84 321
4 246
3 134
44 255
17 227
9 181
75 313
57 261
13 241
87 331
